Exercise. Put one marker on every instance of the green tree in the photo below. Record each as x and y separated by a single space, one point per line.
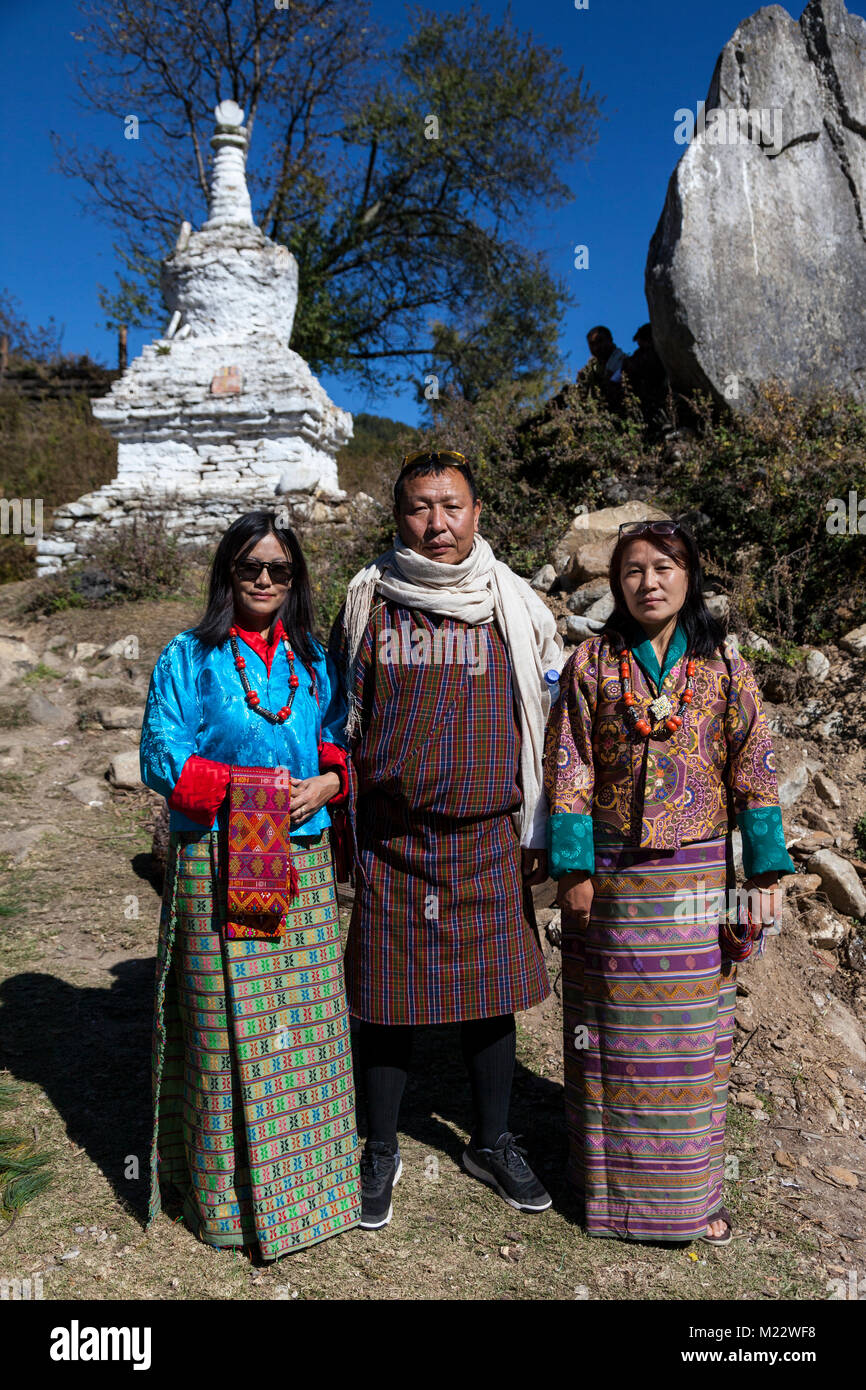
404 182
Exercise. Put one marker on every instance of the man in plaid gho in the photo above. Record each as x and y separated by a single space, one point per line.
445 651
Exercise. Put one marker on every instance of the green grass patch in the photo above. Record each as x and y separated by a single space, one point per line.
24 1172
41 672
10 903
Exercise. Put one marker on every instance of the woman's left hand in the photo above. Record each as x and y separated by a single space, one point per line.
766 896
309 793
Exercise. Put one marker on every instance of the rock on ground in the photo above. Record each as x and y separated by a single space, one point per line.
43 711
854 641
793 787
579 629
544 579
90 791
120 717
124 770
840 1021
19 844
840 882
827 790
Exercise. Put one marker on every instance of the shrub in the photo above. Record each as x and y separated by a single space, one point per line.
755 488
51 449
142 560
763 483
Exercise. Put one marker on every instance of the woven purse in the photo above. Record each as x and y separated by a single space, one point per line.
262 880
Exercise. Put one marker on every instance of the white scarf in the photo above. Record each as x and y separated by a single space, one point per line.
479 589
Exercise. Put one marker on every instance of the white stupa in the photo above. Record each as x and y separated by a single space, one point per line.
219 415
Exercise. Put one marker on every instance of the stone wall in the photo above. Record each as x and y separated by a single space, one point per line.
196 519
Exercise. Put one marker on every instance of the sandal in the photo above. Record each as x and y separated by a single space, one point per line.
727 1235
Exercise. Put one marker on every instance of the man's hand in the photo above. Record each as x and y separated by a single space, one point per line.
574 896
533 865
309 793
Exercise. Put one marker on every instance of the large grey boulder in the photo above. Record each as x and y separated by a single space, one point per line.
757 268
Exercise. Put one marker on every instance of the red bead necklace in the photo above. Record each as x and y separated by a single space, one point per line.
252 696
660 707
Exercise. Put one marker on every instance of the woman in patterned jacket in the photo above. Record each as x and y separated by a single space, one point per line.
254 1103
656 747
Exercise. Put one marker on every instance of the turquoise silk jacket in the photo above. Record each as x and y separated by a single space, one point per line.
197 724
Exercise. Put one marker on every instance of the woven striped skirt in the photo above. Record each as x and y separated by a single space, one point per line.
254 1101
648 1022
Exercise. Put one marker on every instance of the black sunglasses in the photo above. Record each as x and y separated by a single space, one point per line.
657 528
278 571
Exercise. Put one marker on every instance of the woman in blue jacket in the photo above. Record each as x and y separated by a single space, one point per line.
254 1107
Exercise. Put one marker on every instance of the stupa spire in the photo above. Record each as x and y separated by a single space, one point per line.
229 196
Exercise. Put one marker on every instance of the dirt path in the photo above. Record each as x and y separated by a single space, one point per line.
77 941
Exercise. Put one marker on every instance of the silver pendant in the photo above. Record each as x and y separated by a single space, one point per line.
661 707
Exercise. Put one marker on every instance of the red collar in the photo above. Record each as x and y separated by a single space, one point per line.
261 647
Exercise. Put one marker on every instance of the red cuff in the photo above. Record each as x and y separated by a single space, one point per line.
200 789
332 758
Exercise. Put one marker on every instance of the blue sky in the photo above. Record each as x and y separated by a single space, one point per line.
646 58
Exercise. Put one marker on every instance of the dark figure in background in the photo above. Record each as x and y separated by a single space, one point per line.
645 374
603 372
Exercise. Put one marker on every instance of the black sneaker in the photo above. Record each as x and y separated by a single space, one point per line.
504 1168
381 1167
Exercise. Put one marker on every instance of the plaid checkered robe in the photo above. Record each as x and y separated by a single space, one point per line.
438 932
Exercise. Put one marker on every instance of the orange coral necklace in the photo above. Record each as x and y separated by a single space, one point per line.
667 716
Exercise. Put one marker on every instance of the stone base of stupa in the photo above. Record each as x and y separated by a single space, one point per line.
196 517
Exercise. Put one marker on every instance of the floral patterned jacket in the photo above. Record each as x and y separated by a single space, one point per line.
602 780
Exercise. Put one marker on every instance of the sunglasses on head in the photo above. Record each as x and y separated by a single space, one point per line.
657 528
278 571
433 456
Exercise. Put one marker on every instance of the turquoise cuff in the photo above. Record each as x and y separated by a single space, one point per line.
569 844
764 842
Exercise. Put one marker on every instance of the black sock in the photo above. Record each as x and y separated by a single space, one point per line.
489 1046
385 1053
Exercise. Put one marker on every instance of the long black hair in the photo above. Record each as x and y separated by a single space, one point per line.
296 612
704 633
